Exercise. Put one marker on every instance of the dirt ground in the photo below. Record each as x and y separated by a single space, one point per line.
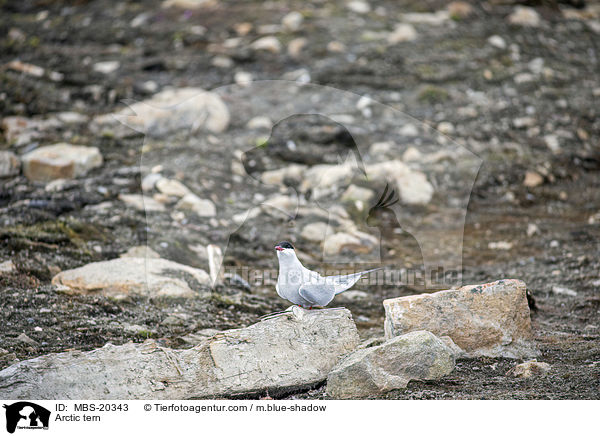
450 73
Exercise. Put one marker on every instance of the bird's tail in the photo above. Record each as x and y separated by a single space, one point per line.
345 282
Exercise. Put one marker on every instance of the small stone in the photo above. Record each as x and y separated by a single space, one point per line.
552 143
409 130
243 78
532 229
267 43
500 245
243 29
356 193
459 10
372 371
200 206
402 32
10 165
106 67
141 202
490 319
497 41
314 232
296 46
172 187
279 176
532 179
215 260
561 290
359 6
222 62
523 122
412 154
7 267
292 21
524 16
379 148
437 18
339 242
336 47
60 161
445 128
260 123
149 181
26 339
529 369
188 4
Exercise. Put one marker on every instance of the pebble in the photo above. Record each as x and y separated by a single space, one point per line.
524 16
172 187
141 202
106 67
296 46
358 6
10 165
402 33
60 161
243 78
445 128
267 43
200 206
497 41
529 369
292 21
26 339
560 290
7 267
459 10
532 179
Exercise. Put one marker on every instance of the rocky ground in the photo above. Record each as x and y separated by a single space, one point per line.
514 88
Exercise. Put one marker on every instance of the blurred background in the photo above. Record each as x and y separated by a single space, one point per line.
481 116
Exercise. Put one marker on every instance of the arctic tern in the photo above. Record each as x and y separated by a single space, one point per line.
307 288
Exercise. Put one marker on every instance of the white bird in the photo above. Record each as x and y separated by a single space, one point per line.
307 288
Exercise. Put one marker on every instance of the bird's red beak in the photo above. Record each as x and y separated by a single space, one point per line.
278 248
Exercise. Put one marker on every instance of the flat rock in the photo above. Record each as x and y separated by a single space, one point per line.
491 319
133 276
10 165
174 109
200 206
418 355
60 161
530 369
142 202
280 354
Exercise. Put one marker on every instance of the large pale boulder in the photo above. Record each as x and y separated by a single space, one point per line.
418 355
294 350
60 161
133 276
491 319
174 109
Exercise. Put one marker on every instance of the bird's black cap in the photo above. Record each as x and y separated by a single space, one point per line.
285 244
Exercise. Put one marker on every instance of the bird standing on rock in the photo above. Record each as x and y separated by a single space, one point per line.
307 288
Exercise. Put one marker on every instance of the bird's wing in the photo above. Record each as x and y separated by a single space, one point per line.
318 294
344 282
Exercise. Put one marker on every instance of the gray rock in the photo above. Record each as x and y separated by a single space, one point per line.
10 165
133 275
529 369
294 350
60 161
418 355
491 319
200 206
26 339
142 202
189 109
